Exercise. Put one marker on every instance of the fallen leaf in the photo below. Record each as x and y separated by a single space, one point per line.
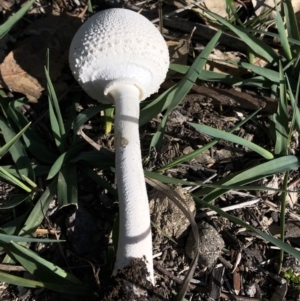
292 197
236 277
179 50
264 7
216 6
23 70
218 62
272 184
16 70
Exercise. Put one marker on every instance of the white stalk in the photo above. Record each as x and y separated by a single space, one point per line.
135 239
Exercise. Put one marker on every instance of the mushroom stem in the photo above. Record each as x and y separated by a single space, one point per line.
135 239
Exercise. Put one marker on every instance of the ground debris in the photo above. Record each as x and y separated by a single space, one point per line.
131 284
210 245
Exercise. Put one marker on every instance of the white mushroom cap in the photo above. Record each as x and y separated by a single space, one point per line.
118 46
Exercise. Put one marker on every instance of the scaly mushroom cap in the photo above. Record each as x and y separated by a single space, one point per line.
118 46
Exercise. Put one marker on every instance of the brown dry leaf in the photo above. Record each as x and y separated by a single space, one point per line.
179 50
216 6
292 197
236 277
217 63
23 71
16 78
260 62
261 7
6 4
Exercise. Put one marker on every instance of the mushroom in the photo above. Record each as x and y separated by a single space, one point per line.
119 57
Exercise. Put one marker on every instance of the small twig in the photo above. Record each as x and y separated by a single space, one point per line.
237 298
11 268
40 231
294 182
89 140
229 208
225 262
198 186
226 296
171 276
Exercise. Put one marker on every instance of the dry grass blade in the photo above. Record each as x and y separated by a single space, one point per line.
179 202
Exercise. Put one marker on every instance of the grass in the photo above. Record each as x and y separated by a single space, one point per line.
280 78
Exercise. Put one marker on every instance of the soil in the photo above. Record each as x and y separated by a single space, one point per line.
234 264
130 284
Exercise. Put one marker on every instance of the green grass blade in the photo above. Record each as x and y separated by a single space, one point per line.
39 267
15 280
184 87
56 119
207 75
166 179
14 202
296 113
270 34
56 167
6 238
291 21
7 26
246 188
67 186
211 76
13 225
85 115
191 76
282 217
161 103
251 175
259 82
34 143
24 282
199 151
36 216
259 47
9 177
271 75
69 156
281 118
108 117
55 127
232 138
17 151
281 245
5 148
282 36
